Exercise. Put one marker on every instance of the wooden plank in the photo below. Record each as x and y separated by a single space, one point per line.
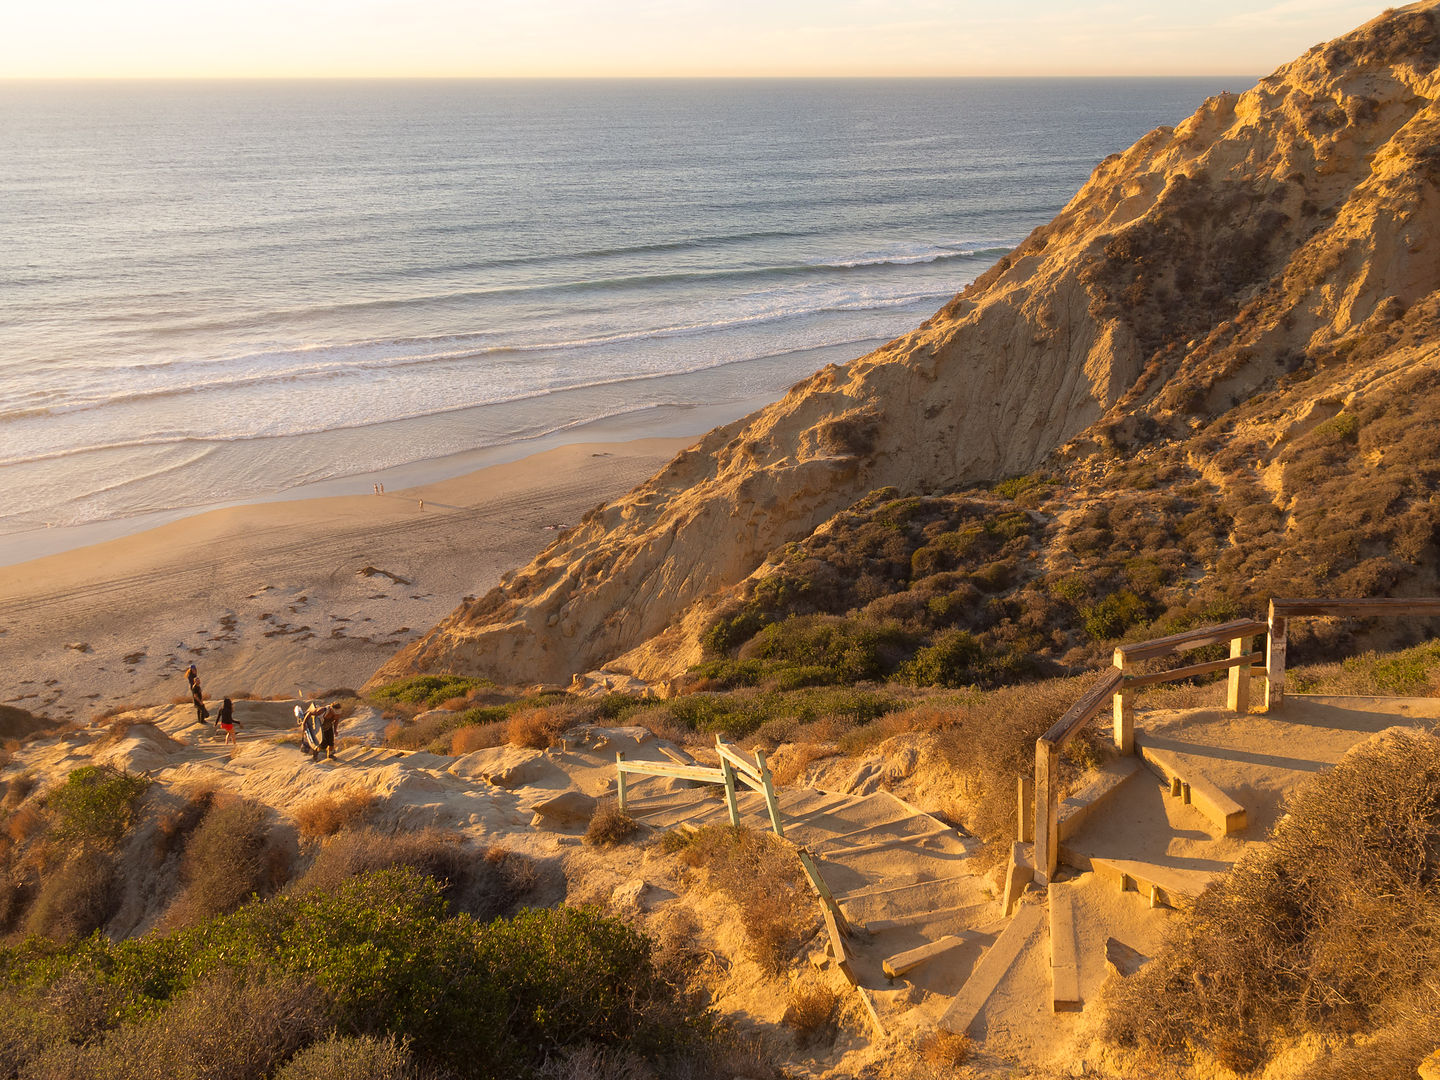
998 960
1275 661
1291 607
1084 710
888 842
677 757
1047 810
888 890
900 963
1018 874
620 781
1123 726
822 890
1025 810
1224 812
739 761
1249 659
920 918
681 772
1177 886
870 1013
729 774
837 942
772 804
1064 951
1237 692
1190 639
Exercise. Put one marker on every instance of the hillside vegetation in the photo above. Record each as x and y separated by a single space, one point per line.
1221 357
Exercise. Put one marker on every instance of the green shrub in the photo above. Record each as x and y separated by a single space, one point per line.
96 804
851 650
362 1057
380 956
1113 615
428 690
952 661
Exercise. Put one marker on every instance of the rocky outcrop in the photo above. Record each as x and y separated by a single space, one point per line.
1290 225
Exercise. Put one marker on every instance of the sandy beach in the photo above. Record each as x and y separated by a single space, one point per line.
287 597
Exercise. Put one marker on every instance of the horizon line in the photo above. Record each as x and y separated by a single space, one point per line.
605 78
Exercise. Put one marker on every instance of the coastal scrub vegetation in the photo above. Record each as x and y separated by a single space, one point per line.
379 970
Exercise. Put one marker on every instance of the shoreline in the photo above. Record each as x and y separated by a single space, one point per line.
297 595
658 422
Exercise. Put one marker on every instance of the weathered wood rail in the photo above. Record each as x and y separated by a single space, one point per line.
1117 687
734 768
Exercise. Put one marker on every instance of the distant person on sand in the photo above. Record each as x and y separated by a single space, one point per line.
310 734
197 698
192 676
226 720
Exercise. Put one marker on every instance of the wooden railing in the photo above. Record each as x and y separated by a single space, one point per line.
734 767
1118 684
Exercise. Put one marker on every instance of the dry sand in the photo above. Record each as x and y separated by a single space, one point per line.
270 598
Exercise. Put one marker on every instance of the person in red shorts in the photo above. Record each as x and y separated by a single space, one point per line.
226 720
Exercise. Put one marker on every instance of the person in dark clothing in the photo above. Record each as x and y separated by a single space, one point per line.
226 720
329 721
192 677
197 697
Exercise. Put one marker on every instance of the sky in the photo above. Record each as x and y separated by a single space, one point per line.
649 38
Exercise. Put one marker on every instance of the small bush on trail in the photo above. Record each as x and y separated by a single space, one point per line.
609 825
764 880
813 1008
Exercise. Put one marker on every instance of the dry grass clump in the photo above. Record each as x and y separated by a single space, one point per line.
814 1008
224 1028
326 815
18 790
493 884
353 1057
789 767
474 737
610 825
76 899
538 728
763 879
231 856
1333 928
941 1049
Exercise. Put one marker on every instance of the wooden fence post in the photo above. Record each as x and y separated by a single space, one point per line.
1047 810
620 779
1237 694
1275 661
728 771
1025 810
771 803
1124 712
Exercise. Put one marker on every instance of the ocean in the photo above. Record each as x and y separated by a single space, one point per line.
214 292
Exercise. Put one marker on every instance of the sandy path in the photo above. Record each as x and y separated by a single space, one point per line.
271 598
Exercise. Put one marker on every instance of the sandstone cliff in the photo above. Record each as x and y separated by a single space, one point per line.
1285 228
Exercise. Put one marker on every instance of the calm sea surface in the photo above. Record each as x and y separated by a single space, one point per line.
222 291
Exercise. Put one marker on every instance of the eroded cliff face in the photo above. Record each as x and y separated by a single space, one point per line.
1294 224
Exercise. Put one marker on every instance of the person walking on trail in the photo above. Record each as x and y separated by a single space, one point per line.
192 676
226 720
309 730
329 721
197 698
